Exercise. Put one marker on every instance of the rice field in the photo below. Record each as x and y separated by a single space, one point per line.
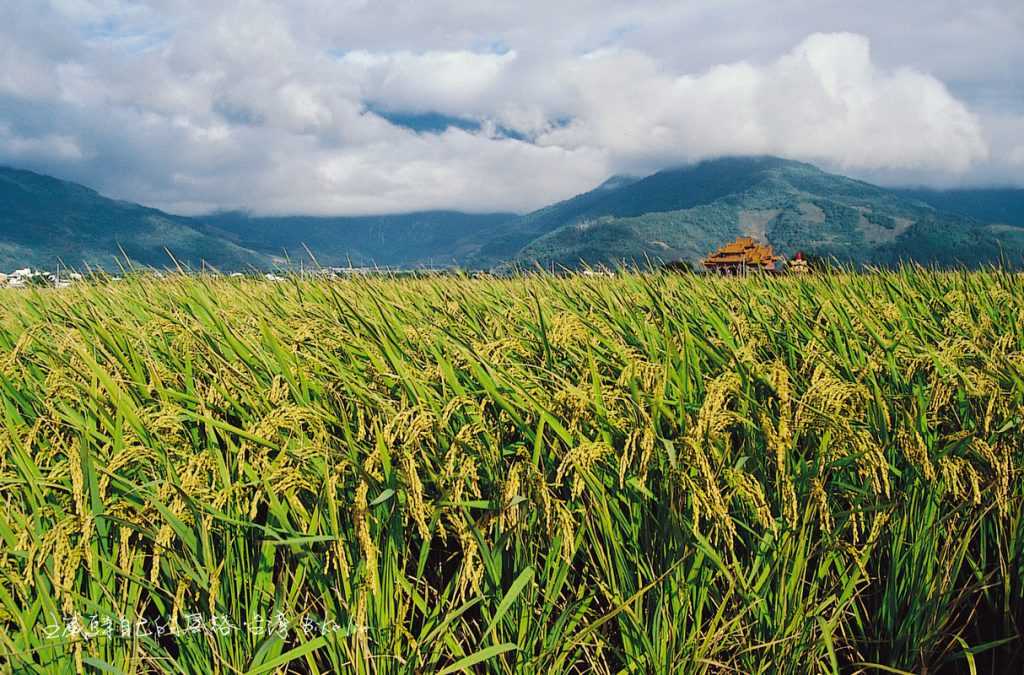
639 474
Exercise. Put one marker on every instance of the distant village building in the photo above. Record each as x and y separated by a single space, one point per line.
27 277
21 278
798 265
742 256
332 272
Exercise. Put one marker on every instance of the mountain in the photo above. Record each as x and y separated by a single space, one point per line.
43 220
429 238
685 212
679 213
989 205
506 240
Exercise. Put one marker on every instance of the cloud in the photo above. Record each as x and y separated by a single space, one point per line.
299 107
435 80
824 101
50 146
1005 133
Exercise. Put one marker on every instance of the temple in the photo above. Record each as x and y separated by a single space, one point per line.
742 256
798 265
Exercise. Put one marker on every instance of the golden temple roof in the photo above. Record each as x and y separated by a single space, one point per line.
744 251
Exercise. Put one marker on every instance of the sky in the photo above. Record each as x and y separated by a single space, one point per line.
361 106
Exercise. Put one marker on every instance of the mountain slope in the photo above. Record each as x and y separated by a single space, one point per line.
989 205
675 214
43 220
430 238
507 238
684 213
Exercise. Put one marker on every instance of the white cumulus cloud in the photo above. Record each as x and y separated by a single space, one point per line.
299 107
824 101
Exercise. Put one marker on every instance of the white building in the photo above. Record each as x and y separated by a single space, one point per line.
27 276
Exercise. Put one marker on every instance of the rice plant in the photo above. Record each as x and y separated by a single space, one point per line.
639 474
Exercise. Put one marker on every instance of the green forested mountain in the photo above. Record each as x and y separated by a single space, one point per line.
989 205
43 220
686 212
430 238
674 214
506 239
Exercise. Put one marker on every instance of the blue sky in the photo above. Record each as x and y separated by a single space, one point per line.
354 106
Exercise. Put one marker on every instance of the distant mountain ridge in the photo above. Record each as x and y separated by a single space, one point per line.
989 205
685 212
679 213
43 220
427 238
